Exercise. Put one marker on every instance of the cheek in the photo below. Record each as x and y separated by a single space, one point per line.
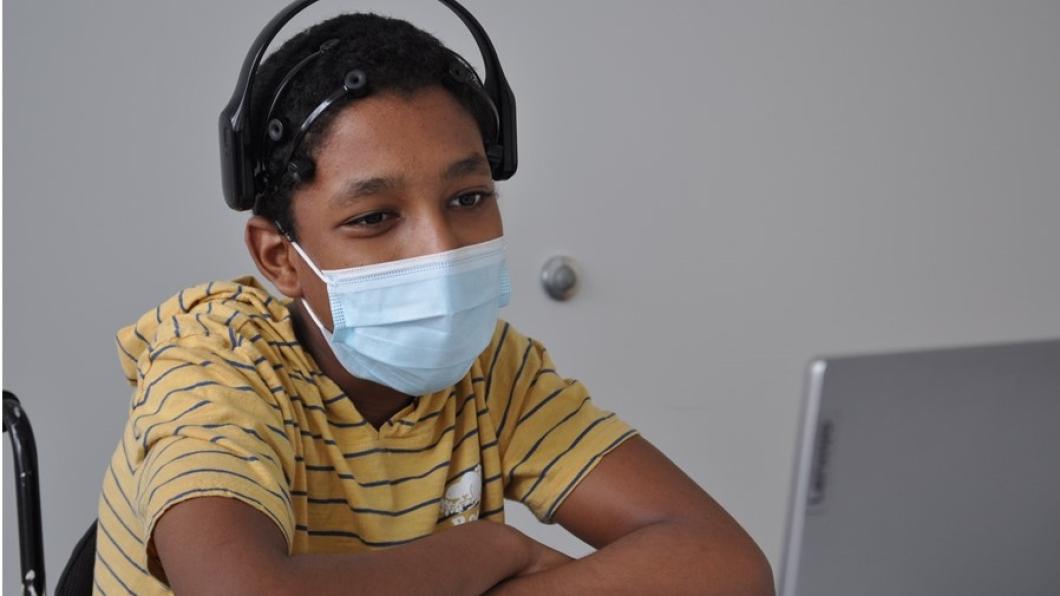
473 228
490 225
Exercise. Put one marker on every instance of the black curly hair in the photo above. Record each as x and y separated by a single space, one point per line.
395 57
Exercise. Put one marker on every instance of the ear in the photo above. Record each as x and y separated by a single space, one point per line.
273 255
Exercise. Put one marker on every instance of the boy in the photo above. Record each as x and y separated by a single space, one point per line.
360 434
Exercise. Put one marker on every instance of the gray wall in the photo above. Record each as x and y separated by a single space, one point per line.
746 184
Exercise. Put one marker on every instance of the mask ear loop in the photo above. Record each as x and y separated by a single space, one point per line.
320 324
301 252
310 262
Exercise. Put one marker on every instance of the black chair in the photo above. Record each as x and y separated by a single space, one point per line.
76 579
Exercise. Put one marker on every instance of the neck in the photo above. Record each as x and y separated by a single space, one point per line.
375 402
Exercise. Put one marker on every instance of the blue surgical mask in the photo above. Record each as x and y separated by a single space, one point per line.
415 325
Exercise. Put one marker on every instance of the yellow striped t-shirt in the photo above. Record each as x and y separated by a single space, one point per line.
228 403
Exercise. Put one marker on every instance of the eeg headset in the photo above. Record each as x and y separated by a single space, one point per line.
245 174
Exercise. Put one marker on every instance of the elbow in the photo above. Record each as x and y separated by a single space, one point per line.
737 566
748 570
752 573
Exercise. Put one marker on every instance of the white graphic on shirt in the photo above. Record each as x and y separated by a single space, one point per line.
463 495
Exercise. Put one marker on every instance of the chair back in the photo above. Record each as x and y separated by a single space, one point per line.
27 486
76 579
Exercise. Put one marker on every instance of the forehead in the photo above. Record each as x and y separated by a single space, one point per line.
398 133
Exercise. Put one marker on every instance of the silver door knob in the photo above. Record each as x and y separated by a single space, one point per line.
559 277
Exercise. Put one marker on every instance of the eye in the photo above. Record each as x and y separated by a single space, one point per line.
370 220
470 200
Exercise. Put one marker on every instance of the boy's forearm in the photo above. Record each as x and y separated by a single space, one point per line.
663 558
466 559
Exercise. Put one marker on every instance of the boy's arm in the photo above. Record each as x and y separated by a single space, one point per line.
217 545
657 531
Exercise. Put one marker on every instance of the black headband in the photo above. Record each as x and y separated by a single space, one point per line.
244 175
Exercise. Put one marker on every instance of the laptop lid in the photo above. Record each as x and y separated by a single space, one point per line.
928 473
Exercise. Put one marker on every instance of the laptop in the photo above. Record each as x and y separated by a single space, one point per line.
928 473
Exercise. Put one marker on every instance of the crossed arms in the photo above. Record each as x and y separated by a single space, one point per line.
655 530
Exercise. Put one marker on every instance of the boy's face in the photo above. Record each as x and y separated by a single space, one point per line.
396 177
389 181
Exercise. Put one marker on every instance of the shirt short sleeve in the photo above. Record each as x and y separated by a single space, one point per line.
208 426
550 432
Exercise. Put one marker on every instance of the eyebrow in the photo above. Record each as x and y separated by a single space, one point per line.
472 164
359 188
